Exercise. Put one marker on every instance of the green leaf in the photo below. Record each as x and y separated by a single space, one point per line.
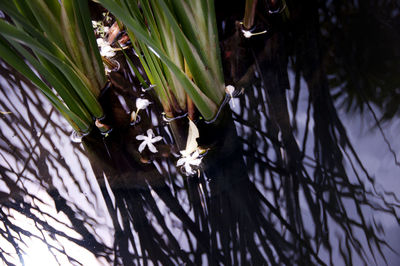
86 29
49 23
76 78
11 57
78 48
134 68
70 98
202 74
204 104
22 8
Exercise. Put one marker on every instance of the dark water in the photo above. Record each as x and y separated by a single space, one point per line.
302 169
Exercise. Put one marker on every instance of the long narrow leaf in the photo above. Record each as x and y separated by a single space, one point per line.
77 79
49 24
203 77
72 100
18 63
134 68
77 47
206 106
24 9
85 26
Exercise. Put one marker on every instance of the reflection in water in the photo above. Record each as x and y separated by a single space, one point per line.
281 183
46 192
367 72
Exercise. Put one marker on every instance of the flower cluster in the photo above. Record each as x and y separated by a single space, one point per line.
105 48
190 162
148 141
190 157
99 28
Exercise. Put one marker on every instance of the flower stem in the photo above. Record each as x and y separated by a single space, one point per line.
134 115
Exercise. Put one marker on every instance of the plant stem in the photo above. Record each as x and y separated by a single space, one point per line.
134 115
249 13
190 108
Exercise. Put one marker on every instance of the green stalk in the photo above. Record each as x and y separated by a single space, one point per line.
249 13
198 23
213 46
171 48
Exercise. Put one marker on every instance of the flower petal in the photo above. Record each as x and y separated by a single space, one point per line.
229 89
155 139
142 103
188 169
100 42
195 162
247 34
150 133
181 161
107 51
141 137
151 147
184 153
194 155
142 146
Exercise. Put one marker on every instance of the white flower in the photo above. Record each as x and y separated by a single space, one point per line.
142 103
148 141
247 34
105 49
230 89
99 28
101 42
189 161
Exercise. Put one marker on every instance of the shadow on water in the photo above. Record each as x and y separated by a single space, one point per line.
275 187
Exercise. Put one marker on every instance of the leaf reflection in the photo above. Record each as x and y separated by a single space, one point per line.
33 163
